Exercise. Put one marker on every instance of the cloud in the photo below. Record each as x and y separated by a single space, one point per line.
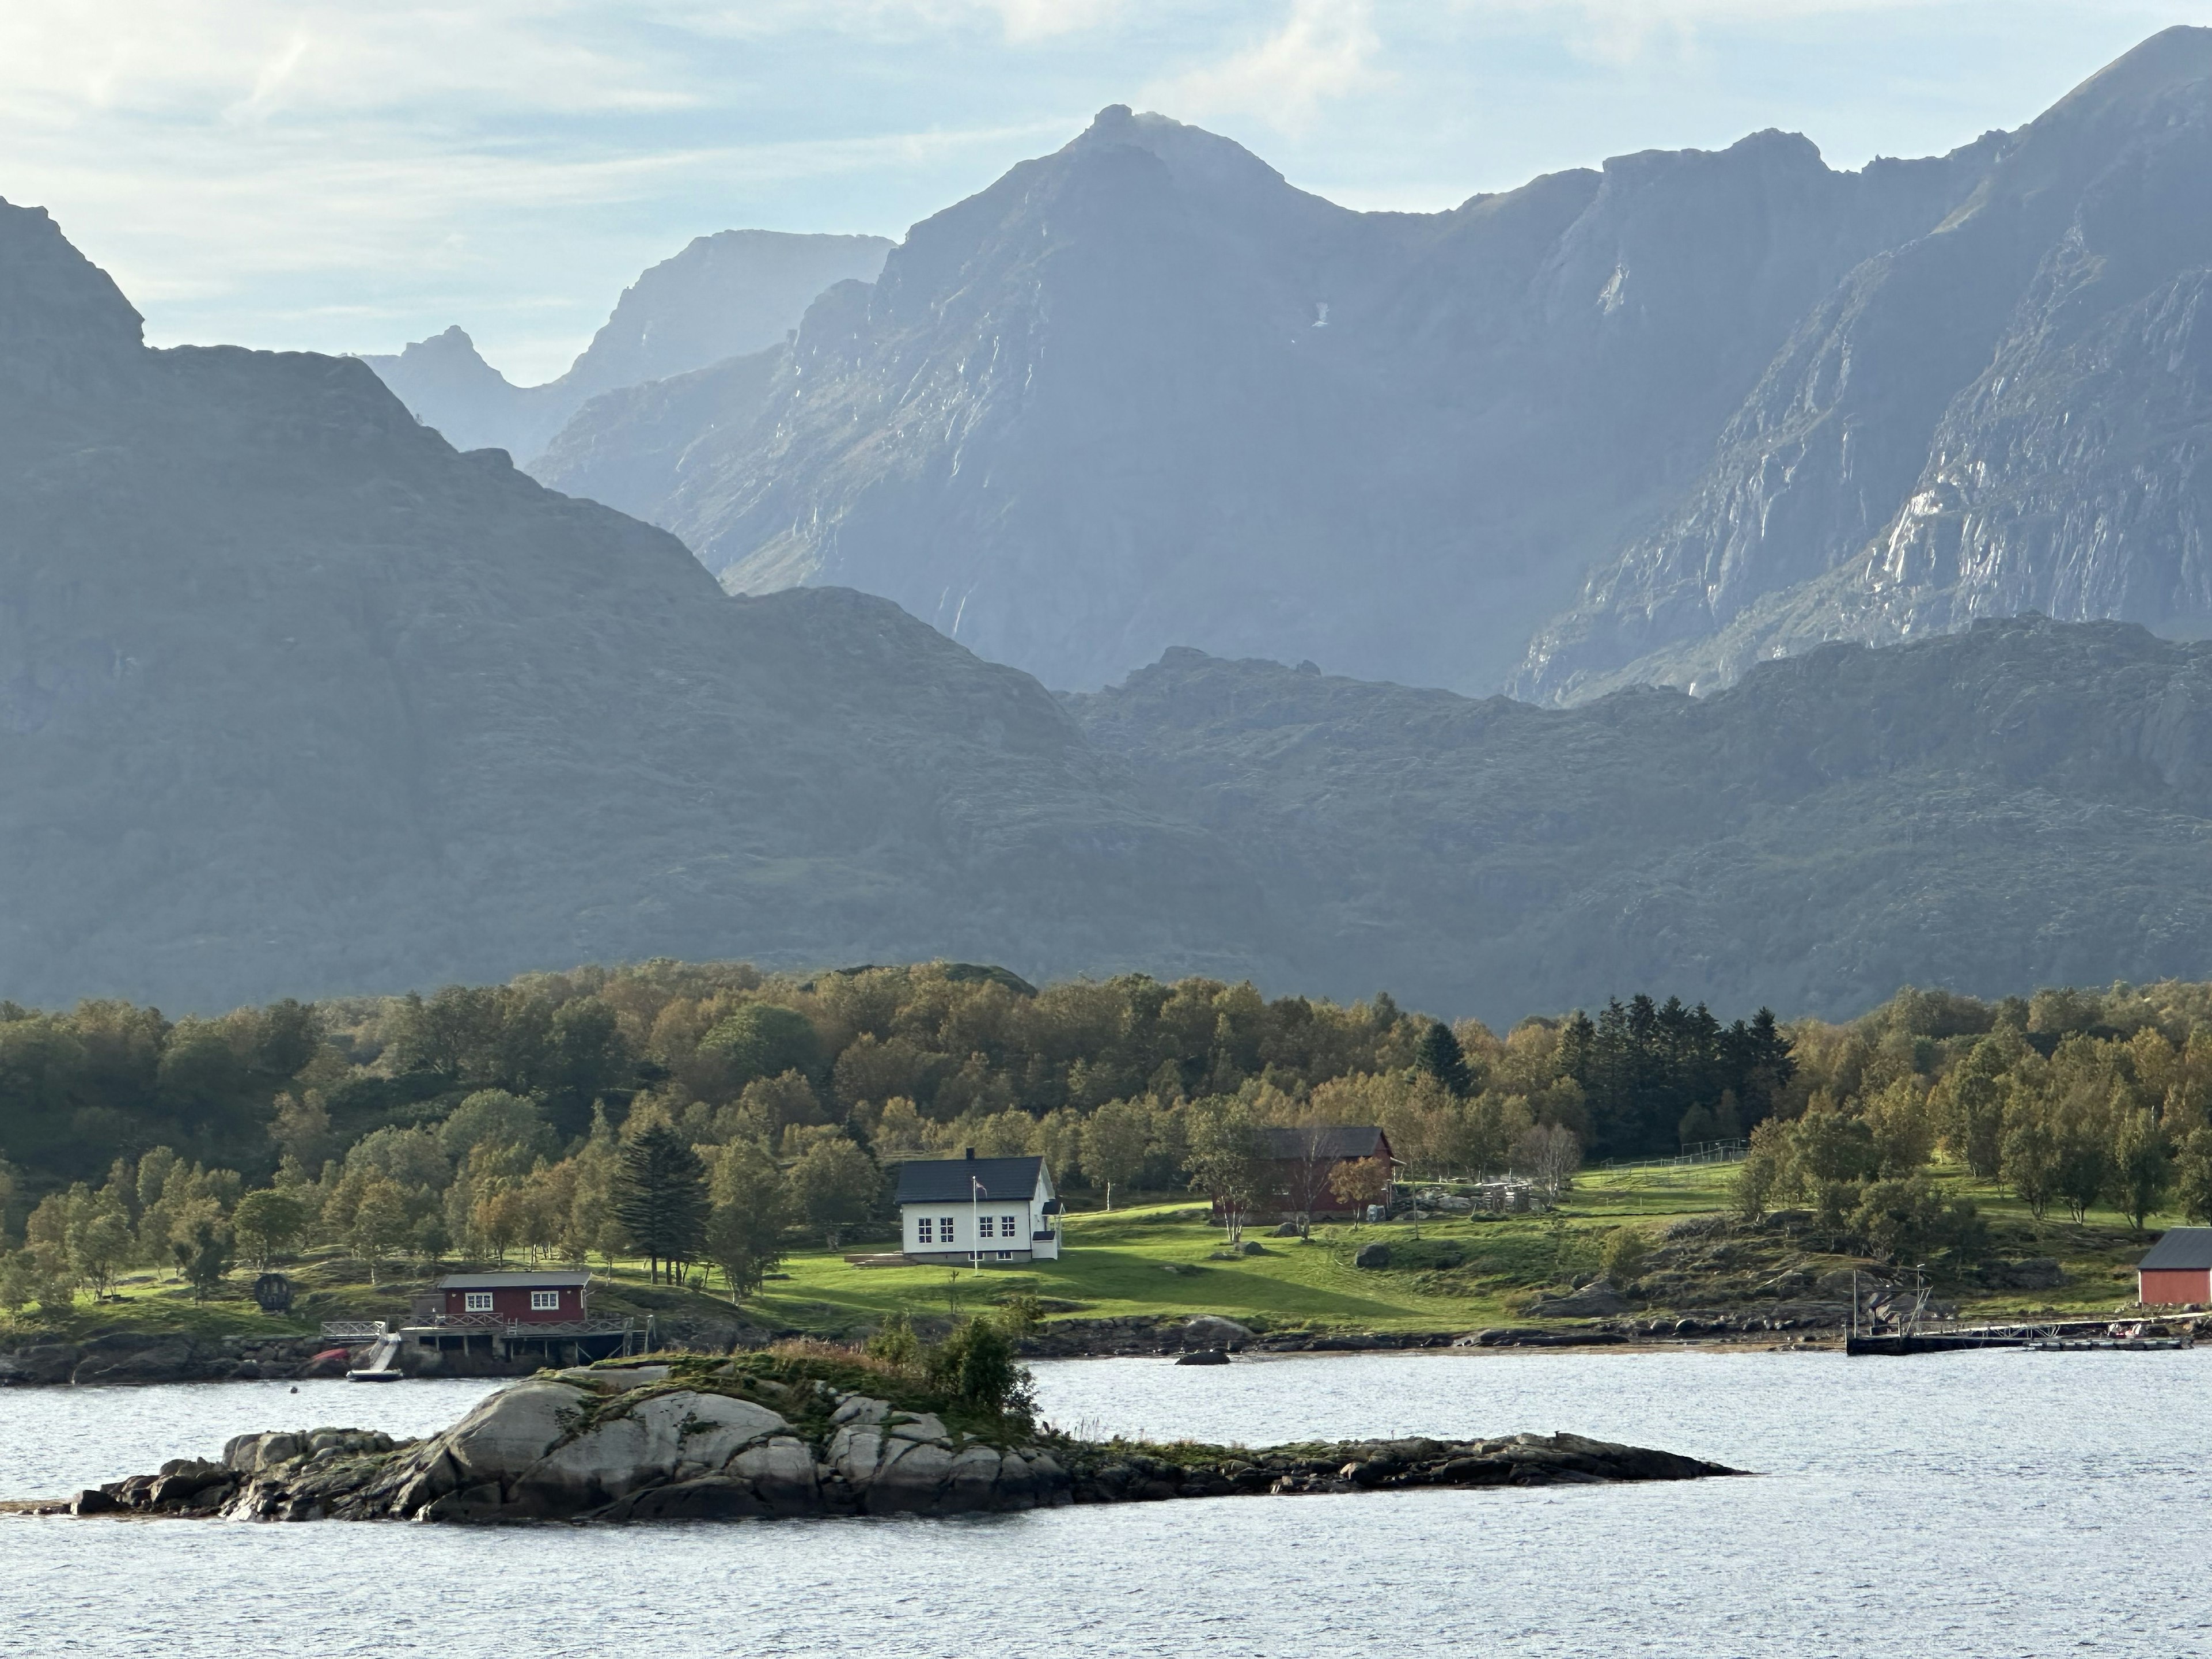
1325 50
1621 33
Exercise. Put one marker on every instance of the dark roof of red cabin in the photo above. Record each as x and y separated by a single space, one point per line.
514 1282
1329 1140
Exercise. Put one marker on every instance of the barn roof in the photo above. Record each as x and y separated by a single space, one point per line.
2183 1248
521 1281
944 1180
1325 1141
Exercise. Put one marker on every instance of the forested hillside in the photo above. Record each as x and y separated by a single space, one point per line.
488 1123
2024 803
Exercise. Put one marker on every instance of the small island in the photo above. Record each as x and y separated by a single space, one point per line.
803 1431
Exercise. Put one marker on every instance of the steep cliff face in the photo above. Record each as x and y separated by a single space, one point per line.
294 699
2023 803
2006 415
1143 391
729 295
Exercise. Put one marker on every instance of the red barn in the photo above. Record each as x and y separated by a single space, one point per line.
2177 1270
1301 1160
548 1298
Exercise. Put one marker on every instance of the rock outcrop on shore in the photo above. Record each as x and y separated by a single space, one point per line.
702 1443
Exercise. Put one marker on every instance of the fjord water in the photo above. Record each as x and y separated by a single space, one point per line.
1971 1504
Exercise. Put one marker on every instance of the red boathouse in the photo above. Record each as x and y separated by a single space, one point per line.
2177 1270
525 1298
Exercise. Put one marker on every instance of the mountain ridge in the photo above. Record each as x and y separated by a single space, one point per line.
1902 420
1618 424
1148 361
725 296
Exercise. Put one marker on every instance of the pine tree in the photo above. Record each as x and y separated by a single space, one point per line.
1442 1059
660 1198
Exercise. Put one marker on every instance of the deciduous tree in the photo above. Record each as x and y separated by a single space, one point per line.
836 1186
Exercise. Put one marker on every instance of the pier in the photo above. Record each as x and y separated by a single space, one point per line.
1895 1319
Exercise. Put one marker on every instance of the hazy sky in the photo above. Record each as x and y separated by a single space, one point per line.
352 174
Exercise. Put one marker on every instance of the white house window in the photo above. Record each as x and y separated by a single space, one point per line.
477 1301
1007 1227
923 1228
944 1229
544 1301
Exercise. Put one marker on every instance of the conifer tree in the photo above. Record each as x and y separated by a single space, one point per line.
660 1198
1442 1059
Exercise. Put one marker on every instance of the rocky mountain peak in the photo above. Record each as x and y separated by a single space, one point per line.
56 307
2174 61
1199 160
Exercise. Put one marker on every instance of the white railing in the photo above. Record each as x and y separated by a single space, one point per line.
353 1330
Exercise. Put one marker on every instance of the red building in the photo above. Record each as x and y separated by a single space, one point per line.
1301 1160
2177 1270
526 1298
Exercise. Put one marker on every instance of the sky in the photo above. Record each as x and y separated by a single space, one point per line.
351 174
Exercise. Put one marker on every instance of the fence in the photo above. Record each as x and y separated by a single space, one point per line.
1703 1152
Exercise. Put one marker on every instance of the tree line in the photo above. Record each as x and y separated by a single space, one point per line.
700 1114
2072 1099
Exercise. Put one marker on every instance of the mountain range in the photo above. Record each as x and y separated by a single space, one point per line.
296 698
1649 423
725 296
299 697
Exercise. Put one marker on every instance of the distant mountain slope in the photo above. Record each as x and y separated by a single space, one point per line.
1144 391
2011 413
629 448
2024 804
726 296
294 699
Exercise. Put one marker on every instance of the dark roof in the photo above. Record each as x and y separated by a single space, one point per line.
1328 1140
2182 1247
944 1180
545 1281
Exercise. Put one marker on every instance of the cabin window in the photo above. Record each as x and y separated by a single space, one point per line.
922 1229
544 1301
477 1301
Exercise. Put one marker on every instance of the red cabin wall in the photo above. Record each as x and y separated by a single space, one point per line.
2159 1287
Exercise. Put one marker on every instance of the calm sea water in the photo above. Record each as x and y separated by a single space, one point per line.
1972 1504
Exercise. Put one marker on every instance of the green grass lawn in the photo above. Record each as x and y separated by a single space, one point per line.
1147 1261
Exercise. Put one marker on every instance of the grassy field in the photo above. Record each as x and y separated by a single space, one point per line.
1458 1274
1164 1258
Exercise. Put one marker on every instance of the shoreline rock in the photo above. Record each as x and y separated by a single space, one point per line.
141 1358
721 1443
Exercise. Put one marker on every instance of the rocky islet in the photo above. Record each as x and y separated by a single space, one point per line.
692 1441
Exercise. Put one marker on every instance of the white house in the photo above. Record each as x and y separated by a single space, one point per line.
971 1209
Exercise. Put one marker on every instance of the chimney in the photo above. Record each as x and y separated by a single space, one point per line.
971 1154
